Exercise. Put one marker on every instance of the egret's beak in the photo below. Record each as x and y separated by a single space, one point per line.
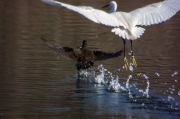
106 6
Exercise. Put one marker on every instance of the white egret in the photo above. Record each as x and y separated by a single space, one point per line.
126 24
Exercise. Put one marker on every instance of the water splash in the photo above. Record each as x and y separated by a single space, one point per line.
147 89
84 73
115 85
175 73
127 86
172 89
146 92
170 98
100 78
131 67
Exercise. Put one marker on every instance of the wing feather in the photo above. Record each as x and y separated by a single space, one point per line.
63 51
100 55
97 16
156 13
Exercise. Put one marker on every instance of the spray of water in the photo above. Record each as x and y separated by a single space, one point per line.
131 67
127 86
100 78
146 92
115 85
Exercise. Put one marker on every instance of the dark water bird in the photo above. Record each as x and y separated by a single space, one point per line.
126 25
85 58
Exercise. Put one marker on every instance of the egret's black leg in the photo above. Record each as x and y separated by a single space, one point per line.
133 58
131 48
125 60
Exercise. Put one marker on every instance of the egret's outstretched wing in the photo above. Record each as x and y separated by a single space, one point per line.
63 51
95 15
100 55
156 13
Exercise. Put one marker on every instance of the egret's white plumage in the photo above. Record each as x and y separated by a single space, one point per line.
125 23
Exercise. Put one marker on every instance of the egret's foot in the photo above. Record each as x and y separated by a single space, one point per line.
134 61
126 65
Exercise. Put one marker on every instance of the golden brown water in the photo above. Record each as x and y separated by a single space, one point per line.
38 83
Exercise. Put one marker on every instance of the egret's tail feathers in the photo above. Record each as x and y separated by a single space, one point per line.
129 35
121 32
137 32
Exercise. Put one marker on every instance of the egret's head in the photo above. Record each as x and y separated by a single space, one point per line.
112 5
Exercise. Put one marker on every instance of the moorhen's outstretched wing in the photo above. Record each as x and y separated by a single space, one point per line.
100 55
63 51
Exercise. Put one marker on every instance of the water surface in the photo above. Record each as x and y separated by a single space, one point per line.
39 83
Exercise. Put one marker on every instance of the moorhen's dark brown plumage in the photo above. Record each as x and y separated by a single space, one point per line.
82 55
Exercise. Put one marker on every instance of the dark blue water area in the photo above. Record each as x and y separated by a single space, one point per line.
36 82
96 99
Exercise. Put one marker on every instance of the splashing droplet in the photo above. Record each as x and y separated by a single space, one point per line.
128 87
131 67
130 53
175 73
145 76
100 78
157 74
115 85
170 98
143 104
179 93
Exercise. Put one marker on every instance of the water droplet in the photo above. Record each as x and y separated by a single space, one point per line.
115 85
141 90
145 76
131 67
170 98
179 93
143 104
130 76
175 73
139 74
157 74
129 53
